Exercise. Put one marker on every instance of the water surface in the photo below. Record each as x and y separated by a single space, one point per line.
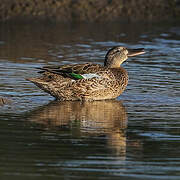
135 136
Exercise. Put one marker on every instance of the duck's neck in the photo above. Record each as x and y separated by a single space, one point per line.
112 66
113 63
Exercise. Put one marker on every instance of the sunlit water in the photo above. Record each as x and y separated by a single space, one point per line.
135 136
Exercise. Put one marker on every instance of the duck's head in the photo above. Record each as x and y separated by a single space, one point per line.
117 55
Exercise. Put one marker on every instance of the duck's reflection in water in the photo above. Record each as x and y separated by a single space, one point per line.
89 119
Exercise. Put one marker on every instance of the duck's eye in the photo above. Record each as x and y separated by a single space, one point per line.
50 77
115 52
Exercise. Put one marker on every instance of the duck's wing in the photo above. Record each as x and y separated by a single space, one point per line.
73 71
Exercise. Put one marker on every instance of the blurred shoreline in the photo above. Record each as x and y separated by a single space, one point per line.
91 10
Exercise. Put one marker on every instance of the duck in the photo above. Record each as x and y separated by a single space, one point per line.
88 81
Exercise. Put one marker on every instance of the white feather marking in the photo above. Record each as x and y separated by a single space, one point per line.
90 75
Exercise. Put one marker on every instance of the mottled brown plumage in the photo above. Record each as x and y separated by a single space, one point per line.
87 81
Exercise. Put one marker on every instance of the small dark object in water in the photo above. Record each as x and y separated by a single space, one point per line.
4 101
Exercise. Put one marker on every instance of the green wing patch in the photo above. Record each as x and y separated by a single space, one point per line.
76 76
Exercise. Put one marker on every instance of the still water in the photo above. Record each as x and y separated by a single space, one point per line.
134 137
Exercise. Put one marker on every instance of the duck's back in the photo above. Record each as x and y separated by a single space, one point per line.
82 82
107 84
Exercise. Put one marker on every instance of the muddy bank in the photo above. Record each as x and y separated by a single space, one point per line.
91 10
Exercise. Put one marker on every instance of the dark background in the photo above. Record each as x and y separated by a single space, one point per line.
91 10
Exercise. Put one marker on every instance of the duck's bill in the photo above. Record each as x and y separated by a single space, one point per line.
135 52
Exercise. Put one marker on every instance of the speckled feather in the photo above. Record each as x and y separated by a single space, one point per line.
56 82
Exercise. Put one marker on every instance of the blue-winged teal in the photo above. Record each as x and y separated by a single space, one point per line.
87 81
